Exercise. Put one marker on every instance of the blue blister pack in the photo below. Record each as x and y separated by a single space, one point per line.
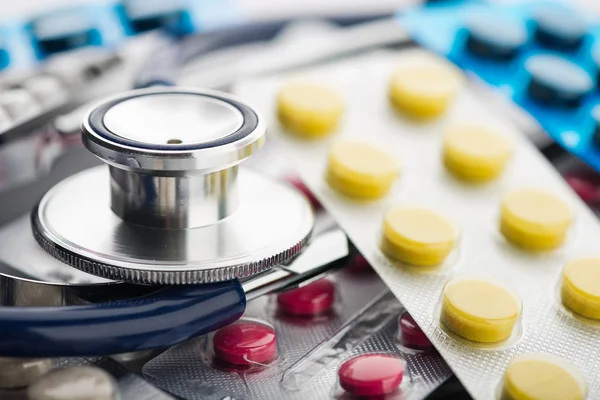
26 42
448 3
71 28
544 55
4 47
138 16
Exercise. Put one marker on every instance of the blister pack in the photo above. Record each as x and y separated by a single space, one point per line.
100 378
544 55
295 342
469 226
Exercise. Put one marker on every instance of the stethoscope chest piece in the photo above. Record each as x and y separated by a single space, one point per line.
173 206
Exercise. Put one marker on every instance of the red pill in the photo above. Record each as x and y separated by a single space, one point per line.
585 187
359 264
371 374
245 342
312 299
298 184
411 335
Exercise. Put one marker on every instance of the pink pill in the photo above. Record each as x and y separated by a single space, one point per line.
585 187
312 299
371 374
410 334
359 264
246 342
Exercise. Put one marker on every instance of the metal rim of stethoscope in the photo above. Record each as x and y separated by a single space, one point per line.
106 144
157 317
178 213
127 157
197 231
193 304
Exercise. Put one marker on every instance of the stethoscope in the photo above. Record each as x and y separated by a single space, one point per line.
174 235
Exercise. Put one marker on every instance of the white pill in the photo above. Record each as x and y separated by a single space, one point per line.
5 120
74 383
19 103
21 372
47 89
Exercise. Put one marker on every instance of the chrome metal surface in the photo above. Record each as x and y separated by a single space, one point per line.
173 119
74 223
174 159
173 126
173 202
31 277
29 292
21 290
42 280
19 250
319 258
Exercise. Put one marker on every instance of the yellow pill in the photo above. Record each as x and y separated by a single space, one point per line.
479 310
580 289
360 170
539 376
424 88
534 219
474 153
309 110
417 236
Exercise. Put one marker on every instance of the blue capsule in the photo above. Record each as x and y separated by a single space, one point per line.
146 15
556 81
559 28
495 37
63 30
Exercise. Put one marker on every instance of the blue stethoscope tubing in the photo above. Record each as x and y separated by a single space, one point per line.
160 319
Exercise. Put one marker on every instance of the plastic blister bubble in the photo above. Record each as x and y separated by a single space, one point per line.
467 330
561 98
316 301
364 82
310 348
374 374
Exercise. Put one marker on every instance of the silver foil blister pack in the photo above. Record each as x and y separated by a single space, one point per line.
545 325
364 319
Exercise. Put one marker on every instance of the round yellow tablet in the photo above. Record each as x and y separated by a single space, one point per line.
479 310
360 170
309 110
539 376
580 289
424 87
417 236
534 219
474 153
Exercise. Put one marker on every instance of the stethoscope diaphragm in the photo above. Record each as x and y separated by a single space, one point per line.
173 206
